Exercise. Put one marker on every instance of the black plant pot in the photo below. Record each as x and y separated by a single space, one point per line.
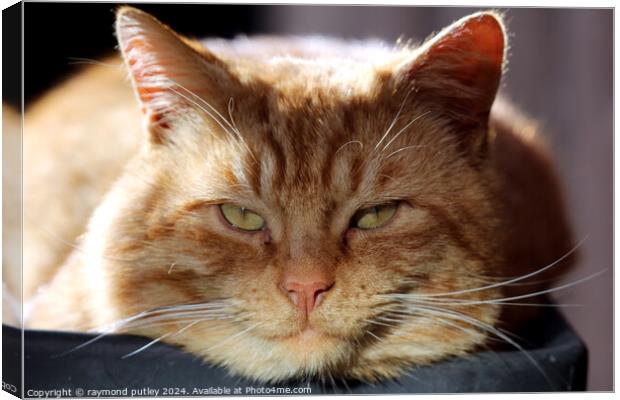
556 360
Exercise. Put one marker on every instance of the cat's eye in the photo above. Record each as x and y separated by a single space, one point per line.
374 217
242 218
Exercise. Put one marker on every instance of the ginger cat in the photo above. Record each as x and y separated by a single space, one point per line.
289 207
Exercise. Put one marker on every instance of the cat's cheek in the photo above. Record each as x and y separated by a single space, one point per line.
354 237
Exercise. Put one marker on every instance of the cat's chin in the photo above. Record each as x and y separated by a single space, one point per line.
308 352
308 342
308 336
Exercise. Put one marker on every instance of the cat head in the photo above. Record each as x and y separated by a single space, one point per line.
290 216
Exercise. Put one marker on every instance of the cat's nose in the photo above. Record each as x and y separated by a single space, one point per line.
306 294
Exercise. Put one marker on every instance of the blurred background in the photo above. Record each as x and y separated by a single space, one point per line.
559 72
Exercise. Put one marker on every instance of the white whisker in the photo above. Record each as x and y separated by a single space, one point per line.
146 346
370 321
510 281
404 129
221 125
90 61
373 335
171 266
486 327
348 143
504 300
243 332
203 101
159 315
391 126
403 149
180 331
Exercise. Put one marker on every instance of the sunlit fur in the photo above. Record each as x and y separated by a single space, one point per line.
305 141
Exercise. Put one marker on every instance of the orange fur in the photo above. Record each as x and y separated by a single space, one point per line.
302 143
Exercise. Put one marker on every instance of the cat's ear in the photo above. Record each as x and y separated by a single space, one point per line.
460 68
169 75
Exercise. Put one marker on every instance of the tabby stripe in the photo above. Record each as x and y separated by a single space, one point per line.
253 164
280 161
333 144
358 170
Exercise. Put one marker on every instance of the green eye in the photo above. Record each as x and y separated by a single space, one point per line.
374 217
242 218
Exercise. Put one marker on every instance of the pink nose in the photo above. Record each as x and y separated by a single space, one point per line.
306 296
